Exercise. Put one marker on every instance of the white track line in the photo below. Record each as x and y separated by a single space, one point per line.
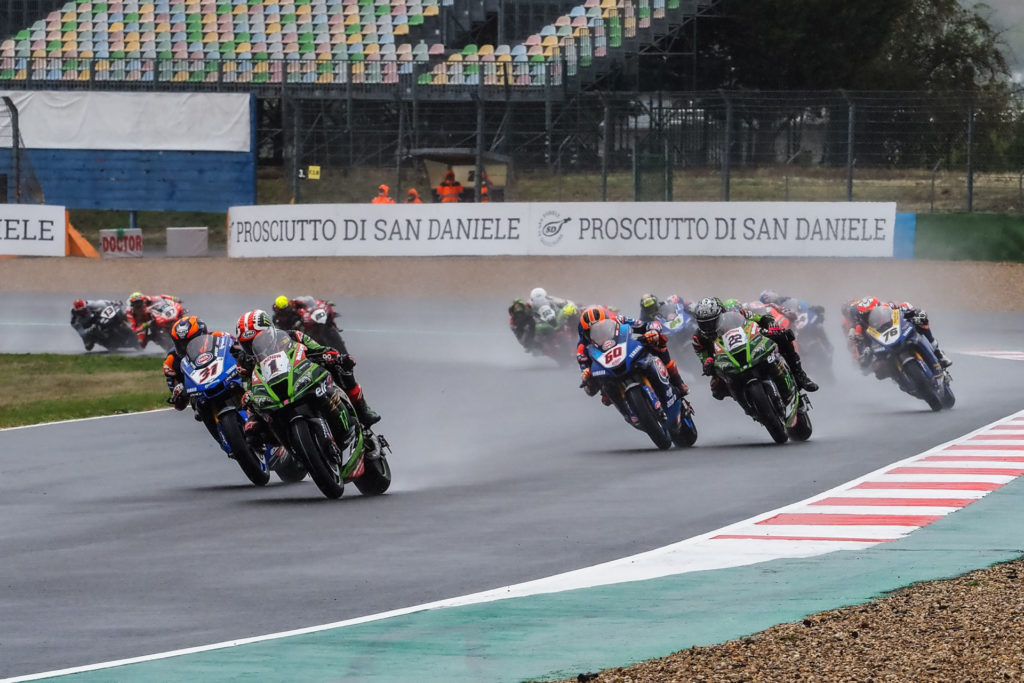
773 535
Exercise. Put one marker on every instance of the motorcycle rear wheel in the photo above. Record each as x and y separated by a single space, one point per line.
291 471
766 412
648 419
801 431
376 476
252 466
325 473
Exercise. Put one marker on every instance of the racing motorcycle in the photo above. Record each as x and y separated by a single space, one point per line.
678 326
627 370
746 360
110 328
318 321
904 355
214 387
162 316
808 323
554 334
314 418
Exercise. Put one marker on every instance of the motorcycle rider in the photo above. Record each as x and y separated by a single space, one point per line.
85 318
338 363
539 298
653 339
855 321
707 313
650 306
522 324
293 314
139 316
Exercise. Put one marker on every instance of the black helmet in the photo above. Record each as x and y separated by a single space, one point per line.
707 312
649 305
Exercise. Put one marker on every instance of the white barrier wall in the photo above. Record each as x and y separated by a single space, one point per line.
841 229
30 230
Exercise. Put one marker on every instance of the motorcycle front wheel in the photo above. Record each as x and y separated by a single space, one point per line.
648 419
922 385
766 412
326 474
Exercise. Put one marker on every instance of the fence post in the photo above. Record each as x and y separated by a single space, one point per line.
727 152
296 152
15 147
480 122
970 154
606 149
849 145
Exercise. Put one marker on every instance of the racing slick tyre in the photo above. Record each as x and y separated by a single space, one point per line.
686 435
233 427
291 471
766 413
325 472
922 385
376 476
647 417
801 431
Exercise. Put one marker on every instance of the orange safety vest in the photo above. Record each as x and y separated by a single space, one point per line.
449 192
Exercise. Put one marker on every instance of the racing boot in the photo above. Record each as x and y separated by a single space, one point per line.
675 379
802 380
367 416
940 356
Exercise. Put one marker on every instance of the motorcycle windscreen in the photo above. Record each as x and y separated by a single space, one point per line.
604 334
730 320
880 318
202 350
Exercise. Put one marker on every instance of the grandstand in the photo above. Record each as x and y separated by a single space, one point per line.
246 44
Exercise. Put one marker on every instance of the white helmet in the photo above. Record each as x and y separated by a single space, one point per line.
538 297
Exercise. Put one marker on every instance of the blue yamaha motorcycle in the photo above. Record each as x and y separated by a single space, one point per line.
637 382
899 352
813 344
214 387
678 326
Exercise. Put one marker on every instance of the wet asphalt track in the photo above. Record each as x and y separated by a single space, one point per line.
132 535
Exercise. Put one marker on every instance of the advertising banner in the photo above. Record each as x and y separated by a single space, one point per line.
121 243
31 230
809 229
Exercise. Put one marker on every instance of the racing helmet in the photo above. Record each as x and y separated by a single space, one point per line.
769 296
78 305
649 305
538 297
591 316
866 304
251 325
569 310
185 330
282 303
518 307
707 312
137 299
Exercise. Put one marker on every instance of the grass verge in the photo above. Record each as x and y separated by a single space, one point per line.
44 387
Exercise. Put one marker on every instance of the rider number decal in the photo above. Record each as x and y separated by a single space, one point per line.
274 365
108 313
209 372
613 357
735 338
889 336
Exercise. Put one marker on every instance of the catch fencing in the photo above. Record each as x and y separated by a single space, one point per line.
953 151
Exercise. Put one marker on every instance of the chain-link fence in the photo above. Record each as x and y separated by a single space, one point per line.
953 151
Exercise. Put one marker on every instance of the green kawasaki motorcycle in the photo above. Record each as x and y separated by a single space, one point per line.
314 419
749 362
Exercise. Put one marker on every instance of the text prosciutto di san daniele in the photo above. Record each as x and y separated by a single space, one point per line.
585 228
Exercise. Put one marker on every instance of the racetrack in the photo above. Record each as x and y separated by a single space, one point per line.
131 535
